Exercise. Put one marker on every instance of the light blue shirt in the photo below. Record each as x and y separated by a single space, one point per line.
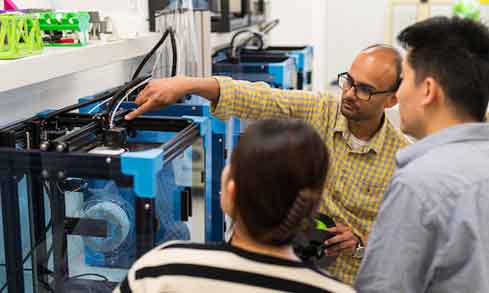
432 230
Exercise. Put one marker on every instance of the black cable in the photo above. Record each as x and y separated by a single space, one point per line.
46 286
122 92
233 57
104 278
151 53
233 39
255 35
174 52
97 98
258 37
169 32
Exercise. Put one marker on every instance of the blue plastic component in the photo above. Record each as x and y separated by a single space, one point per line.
213 133
304 61
144 166
302 56
45 113
105 200
283 72
113 203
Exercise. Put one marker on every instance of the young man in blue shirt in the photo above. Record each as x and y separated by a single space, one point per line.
431 232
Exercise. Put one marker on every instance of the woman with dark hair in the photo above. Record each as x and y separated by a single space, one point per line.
271 190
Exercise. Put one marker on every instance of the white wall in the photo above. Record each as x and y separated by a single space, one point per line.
302 24
351 26
339 29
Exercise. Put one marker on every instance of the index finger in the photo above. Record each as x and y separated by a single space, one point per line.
146 107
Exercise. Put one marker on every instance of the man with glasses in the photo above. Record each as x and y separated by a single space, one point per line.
361 140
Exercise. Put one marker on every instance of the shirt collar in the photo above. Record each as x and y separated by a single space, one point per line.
375 143
459 133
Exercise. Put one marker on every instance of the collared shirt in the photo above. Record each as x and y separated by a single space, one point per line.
432 233
356 177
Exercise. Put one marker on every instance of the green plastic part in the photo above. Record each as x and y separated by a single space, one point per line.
469 9
320 225
74 24
20 36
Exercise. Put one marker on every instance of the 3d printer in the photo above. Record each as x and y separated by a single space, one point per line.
85 192
56 153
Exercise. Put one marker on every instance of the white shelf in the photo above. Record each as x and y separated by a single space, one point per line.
60 61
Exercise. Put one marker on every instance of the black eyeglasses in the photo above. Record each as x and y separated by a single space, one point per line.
362 91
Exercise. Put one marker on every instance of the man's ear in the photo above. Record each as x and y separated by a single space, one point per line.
392 100
431 92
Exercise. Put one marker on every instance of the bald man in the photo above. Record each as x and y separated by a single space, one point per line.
361 140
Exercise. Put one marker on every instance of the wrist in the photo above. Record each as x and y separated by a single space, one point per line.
206 87
189 85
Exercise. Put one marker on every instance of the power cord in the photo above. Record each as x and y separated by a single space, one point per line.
116 101
112 116
236 48
169 32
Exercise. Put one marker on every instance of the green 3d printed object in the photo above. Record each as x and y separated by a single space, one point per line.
65 29
20 36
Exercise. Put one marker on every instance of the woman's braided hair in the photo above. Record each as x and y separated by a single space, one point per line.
279 167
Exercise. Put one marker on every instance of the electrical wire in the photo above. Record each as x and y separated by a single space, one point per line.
98 106
116 108
151 53
168 32
105 280
91 275
174 52
269 26
125 97
121 93
235 48
118 98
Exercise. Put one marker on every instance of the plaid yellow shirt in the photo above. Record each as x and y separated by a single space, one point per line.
356 178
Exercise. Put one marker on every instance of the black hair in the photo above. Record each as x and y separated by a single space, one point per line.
455 52
279 167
